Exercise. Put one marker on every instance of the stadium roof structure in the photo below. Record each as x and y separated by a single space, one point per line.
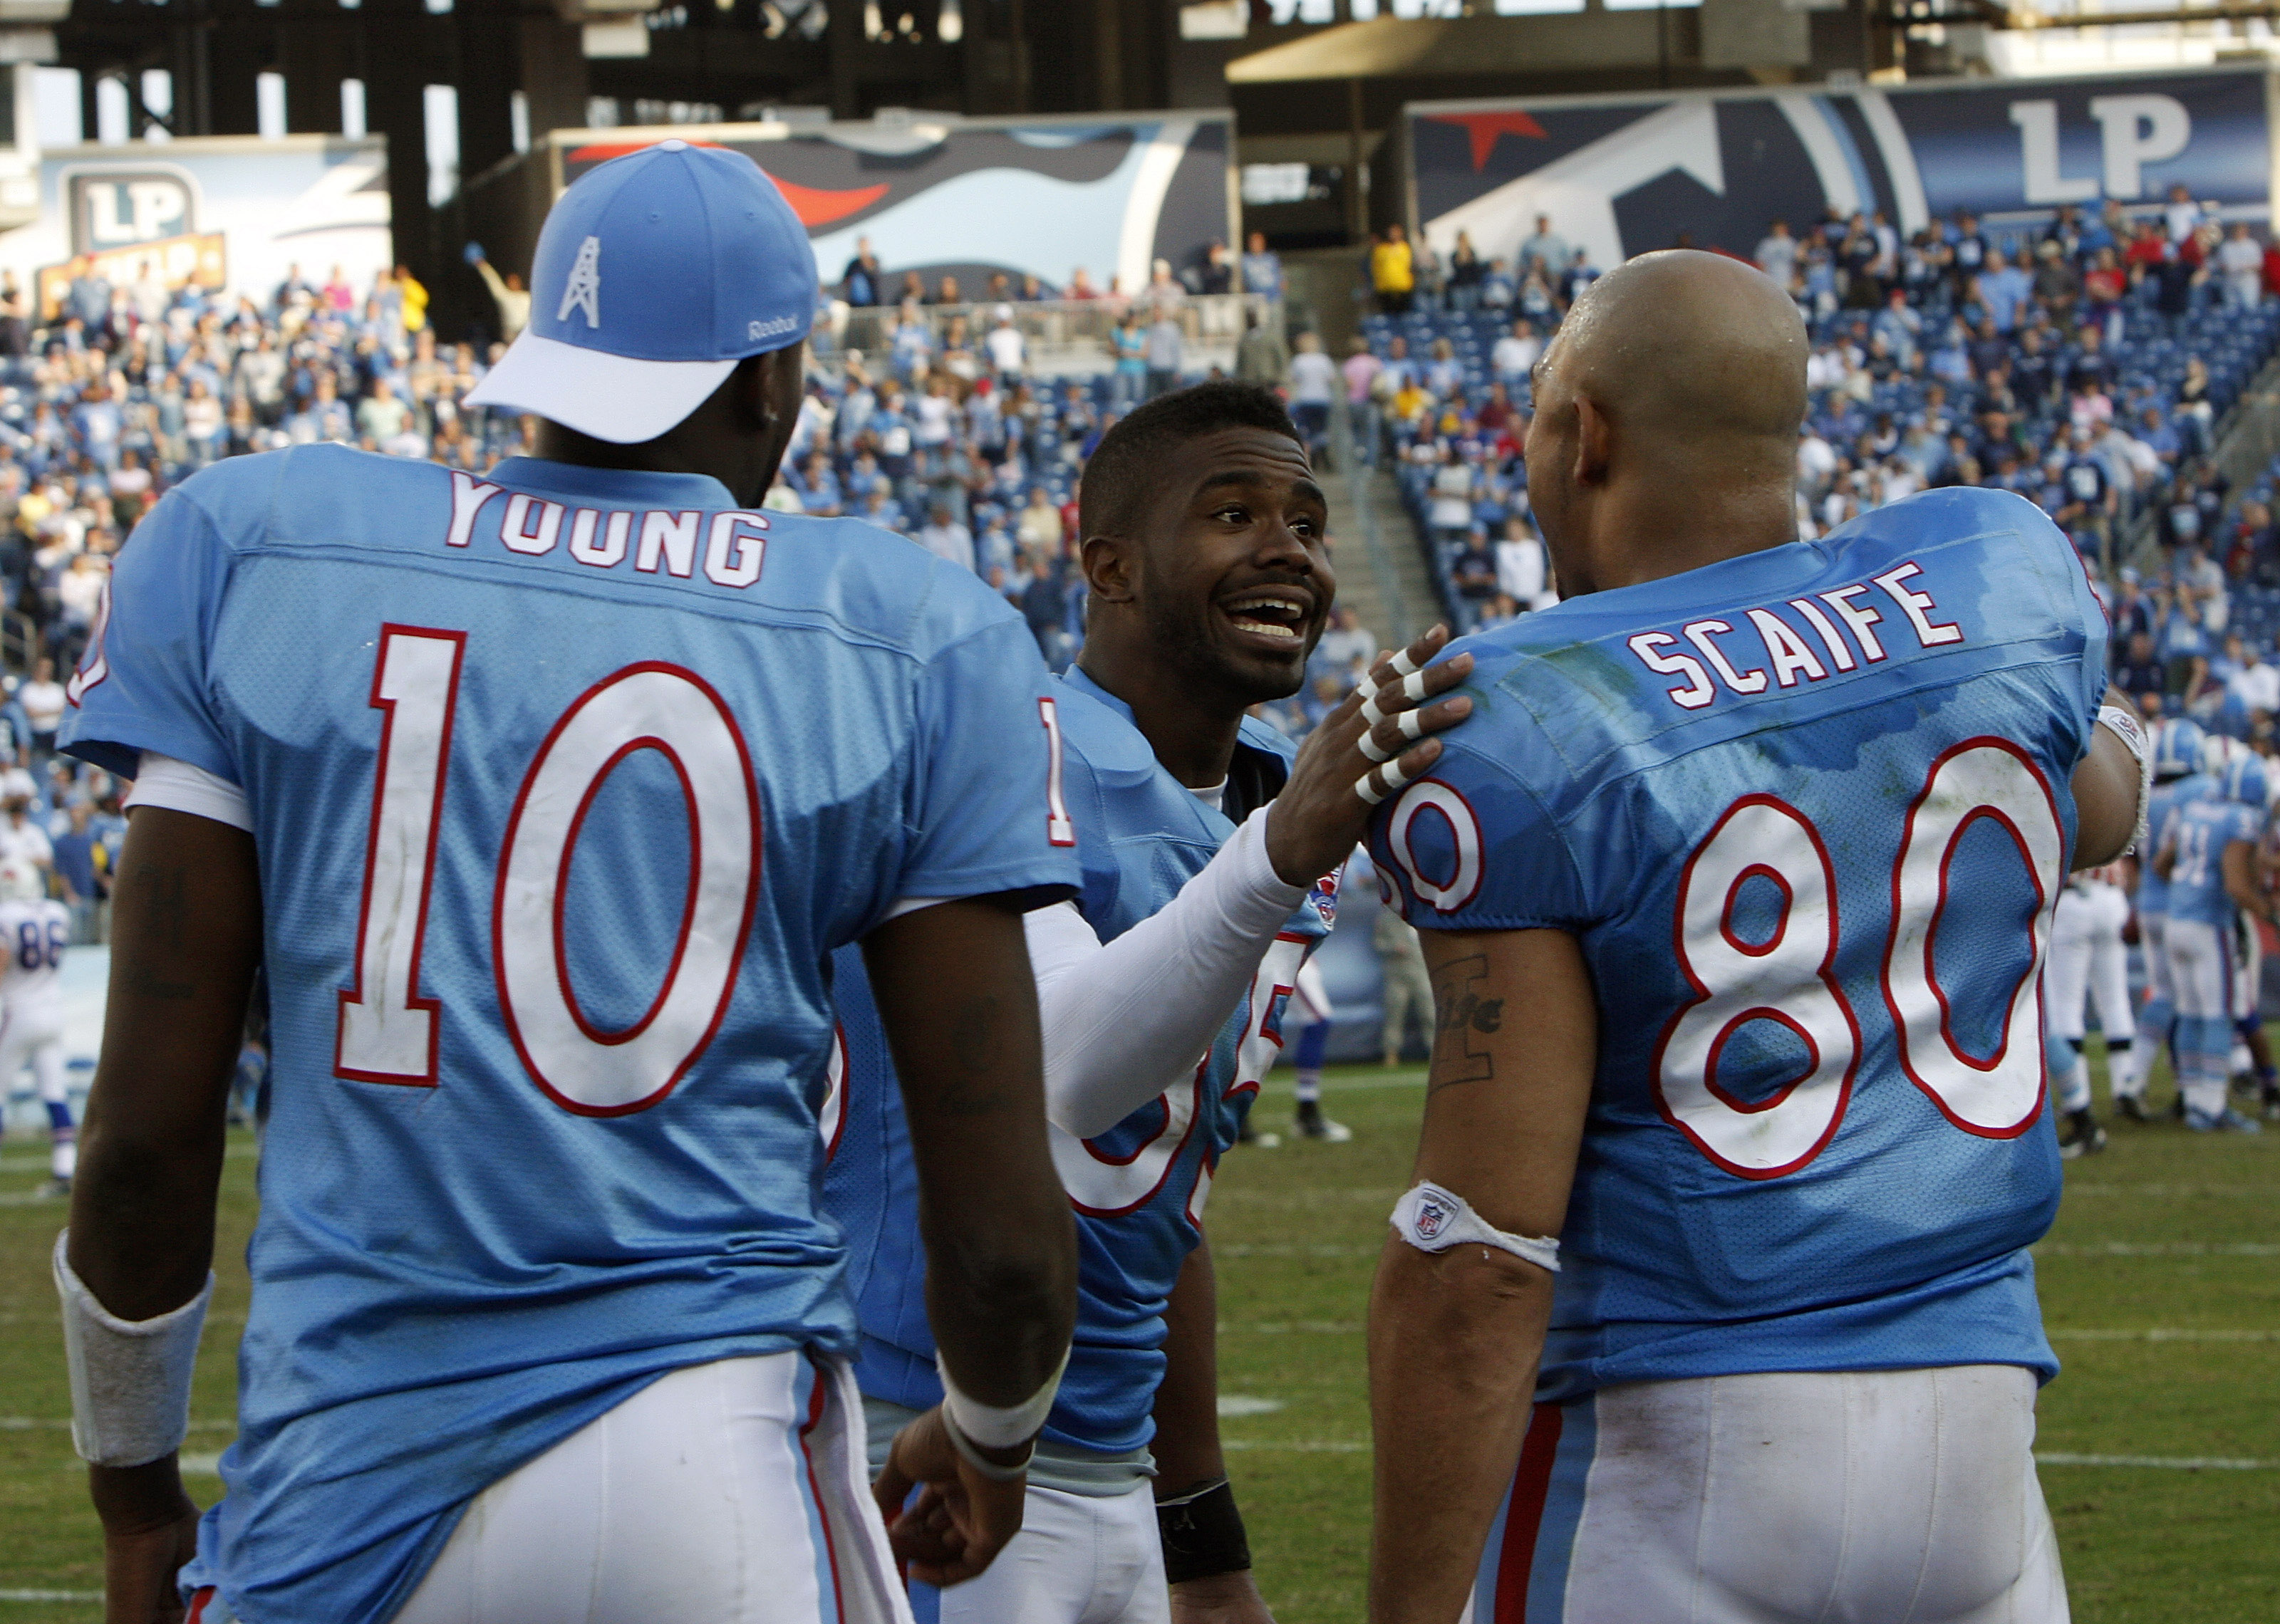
1454 47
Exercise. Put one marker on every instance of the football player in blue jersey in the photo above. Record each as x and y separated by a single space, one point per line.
1713 1299
2208 858
1203 845
542 800
2179 779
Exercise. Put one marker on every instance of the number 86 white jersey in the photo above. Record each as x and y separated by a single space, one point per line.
33 936
1807 811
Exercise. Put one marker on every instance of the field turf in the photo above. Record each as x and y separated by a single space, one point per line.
2161 1284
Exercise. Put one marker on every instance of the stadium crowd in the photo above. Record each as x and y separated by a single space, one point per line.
2084 364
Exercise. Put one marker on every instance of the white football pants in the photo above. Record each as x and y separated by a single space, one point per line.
2087 961
733 1493
1897 1496
1078 1560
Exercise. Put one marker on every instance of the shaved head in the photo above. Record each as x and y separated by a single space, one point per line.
1673 393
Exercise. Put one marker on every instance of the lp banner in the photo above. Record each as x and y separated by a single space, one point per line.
1619 175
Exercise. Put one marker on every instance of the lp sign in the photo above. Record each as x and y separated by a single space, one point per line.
119 209
2134 131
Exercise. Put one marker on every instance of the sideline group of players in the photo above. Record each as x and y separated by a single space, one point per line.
2205 877
750 1050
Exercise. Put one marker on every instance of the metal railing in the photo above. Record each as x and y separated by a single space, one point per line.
1058 334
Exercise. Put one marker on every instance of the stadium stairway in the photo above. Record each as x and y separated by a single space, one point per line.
1381 573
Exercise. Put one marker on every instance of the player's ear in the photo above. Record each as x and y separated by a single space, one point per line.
1594 438
1108 568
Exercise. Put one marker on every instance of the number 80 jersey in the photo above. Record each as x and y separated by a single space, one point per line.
1808 812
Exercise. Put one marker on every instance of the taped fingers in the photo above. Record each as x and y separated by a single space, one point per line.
1370 714
1375 751
1412 724
1394 780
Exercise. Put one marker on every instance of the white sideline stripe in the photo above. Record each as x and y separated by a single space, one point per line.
2199 1463
2159 1249
2202 1463
41 1423
50 1596
2160 1333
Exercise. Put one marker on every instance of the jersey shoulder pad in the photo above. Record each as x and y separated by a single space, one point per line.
872 581
1265 737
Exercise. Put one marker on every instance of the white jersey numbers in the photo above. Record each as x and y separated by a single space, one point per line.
582 1068
388 1033
1783 970
1999 1095
1786 976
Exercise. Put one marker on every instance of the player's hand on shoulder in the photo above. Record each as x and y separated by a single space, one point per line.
962 1517
150 1530
1380 734
1224 1599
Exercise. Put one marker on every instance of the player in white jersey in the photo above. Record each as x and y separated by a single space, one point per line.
34 932
2088 960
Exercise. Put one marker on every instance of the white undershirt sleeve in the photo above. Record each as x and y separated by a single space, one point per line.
1125 1021
180 787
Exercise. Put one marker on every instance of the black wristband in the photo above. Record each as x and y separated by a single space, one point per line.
1203 1534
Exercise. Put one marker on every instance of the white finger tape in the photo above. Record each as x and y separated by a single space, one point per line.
1375 751
1403 666
1412 686
1370 714
1413 724
1396 780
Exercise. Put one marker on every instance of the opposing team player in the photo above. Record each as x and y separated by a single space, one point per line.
2208 857
35 930
2088 959
542 800
1211 580
1735 890
2179 779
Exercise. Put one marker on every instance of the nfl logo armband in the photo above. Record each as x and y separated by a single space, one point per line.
2126 728
1433 1220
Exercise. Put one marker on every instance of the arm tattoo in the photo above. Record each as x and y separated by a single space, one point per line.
1462 1014
167 890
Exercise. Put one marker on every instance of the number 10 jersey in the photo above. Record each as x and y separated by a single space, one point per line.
565 783
1808 812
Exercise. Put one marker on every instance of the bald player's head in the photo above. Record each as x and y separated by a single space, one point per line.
1676 385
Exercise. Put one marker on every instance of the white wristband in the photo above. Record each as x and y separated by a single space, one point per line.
1433 1220
2127 729
130 1380
991 1425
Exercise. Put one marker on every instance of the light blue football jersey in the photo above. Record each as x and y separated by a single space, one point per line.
2201 830
2153 898
565 785
1138 1189
1808 812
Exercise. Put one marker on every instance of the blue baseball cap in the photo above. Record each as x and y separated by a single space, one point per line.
656 274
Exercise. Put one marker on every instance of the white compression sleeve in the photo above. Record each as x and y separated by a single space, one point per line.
177 785
1126 1019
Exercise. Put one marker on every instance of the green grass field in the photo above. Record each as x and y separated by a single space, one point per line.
2161 1284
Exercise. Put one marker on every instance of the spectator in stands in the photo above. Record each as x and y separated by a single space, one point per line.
1777 254
2240 261
944 537
2182 215
1544 249
1262 269
41 698
1313 377
1166 348
74 853
2058 283
1260 356
1346 647
1473 571
1392 273
1362 372
1008 352
1466 272
1454 484
1522 568
507 293
2140 671
1128 343
863 283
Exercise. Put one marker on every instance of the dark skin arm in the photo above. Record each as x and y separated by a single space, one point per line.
1186 1446
1455 1336
958 1001
151 1151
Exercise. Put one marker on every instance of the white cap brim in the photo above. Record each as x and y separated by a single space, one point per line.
611 397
